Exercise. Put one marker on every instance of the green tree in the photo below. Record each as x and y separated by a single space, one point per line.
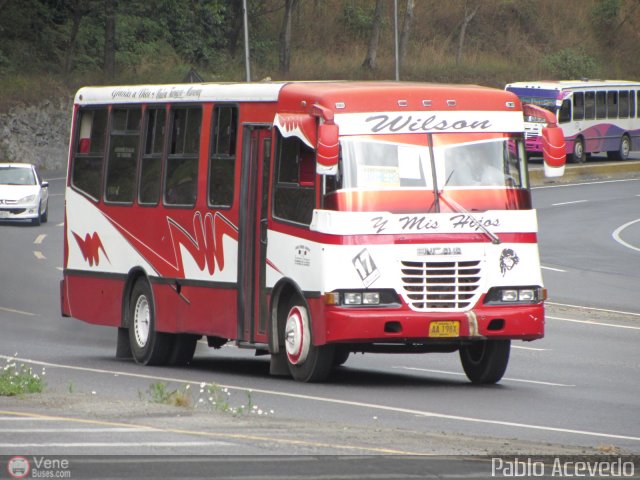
571 63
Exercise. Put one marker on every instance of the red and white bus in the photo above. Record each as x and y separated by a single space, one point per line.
305 221
595 115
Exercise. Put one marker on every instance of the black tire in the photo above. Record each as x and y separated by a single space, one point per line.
485 361
184 346
148 346
341 356
623 150
306 362
44 217
579 155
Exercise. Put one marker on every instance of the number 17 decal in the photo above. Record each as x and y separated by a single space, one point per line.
366 267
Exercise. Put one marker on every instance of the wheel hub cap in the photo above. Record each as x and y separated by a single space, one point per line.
141 321
296 336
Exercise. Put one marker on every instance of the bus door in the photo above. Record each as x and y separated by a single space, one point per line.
252 248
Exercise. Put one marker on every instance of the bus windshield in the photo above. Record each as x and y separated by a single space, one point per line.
456 161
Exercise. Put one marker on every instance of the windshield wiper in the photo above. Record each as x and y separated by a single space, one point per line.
460 209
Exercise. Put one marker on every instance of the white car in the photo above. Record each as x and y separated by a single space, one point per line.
23 195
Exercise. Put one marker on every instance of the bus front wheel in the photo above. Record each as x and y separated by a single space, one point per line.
485 361
306 361
148 346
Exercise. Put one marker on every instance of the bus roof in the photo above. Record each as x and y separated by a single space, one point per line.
565 85
179 92
345 96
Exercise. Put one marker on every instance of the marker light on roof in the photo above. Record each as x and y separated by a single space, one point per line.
451 103
511 104
402 103
340 105
426 103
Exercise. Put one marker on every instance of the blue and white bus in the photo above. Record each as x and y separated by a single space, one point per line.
595 115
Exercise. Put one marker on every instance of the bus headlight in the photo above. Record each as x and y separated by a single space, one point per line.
515 295
352 298
362 298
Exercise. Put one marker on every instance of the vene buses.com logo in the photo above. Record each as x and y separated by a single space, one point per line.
18 467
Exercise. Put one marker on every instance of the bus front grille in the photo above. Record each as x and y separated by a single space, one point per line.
440 285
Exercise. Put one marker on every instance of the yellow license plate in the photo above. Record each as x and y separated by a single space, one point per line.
444 329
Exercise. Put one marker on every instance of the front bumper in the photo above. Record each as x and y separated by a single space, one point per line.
382 325
19 212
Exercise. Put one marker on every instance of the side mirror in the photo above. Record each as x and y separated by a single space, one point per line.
327 149
554 148
44 184
554 151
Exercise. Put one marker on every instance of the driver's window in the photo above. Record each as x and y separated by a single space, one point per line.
564 115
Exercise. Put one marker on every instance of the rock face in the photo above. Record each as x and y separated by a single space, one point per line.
37 134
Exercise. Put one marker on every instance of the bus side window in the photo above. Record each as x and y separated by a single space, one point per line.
623 104
294 196
222 164
601 104
589 105
564 115
612 104
578 106
86 174
123 154
182 160
151 164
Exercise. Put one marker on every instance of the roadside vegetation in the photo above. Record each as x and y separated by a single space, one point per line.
49 48
19 379
210 396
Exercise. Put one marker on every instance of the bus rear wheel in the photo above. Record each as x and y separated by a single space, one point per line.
579 155
148 346
306 362
623 151
485 361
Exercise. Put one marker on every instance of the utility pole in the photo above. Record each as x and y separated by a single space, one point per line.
247 64
395 34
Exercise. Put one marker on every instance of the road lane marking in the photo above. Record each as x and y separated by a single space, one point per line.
591 322
553 269
335 401
113 444
200 433
616 235
537 382
529 348
40 238
11 310
582 307
39 255
568 203
73 430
